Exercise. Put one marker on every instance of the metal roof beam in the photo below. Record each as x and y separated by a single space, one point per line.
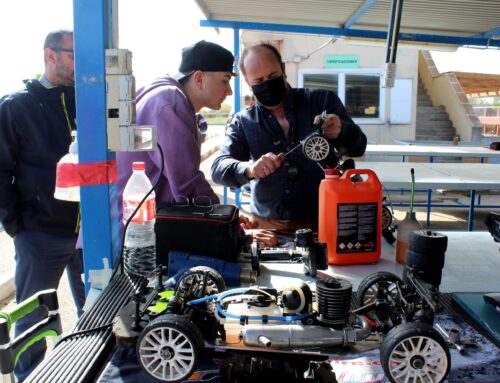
488 35
359 13
339 32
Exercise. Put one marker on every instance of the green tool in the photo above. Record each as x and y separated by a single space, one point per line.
11 349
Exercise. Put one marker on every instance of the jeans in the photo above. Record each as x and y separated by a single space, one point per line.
40 262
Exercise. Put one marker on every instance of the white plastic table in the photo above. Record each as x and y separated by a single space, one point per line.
470 177
431 151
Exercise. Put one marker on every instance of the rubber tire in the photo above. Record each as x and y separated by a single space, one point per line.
427 242
370 281
432 269
408 330
425 260
213 275
182 325
432 277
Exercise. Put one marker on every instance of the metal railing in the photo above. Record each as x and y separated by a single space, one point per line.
490 118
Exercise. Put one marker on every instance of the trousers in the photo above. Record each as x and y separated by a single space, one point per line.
40 262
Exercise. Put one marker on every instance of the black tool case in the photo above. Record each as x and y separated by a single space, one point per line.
211 231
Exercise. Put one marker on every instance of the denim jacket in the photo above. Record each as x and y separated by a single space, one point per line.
290 193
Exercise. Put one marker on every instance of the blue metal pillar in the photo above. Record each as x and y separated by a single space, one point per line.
92 35
237 101
237 80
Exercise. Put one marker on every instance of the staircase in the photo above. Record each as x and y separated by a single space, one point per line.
433 122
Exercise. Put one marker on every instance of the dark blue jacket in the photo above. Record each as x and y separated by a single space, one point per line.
35 132
290 193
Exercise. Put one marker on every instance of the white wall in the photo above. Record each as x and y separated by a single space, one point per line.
295 46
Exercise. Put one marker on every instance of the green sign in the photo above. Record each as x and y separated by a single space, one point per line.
341 61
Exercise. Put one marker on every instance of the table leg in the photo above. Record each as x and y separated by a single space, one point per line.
429 201
470 221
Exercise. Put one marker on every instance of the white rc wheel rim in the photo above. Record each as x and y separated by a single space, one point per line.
167 354
316 148
418 359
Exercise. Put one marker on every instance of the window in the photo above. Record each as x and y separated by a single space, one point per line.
359 90
322 81
362 95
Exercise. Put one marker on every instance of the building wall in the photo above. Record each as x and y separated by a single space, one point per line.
444 89
300 52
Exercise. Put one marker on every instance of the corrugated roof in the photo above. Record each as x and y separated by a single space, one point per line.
479 83
464 18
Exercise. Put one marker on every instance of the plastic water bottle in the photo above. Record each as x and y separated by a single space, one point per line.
140 244
67 188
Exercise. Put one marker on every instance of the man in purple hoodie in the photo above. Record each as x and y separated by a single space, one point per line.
171 104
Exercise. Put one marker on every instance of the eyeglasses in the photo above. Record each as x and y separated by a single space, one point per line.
203 202
69 50
198 201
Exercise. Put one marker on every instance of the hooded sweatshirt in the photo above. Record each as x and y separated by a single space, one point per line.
164 104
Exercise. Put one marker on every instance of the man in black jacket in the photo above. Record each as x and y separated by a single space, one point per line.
35 132
284 187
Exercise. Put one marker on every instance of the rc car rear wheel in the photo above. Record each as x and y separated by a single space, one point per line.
415 352
190 283
169 348
382 287
377 286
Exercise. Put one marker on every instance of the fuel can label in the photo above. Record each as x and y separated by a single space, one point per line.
357 228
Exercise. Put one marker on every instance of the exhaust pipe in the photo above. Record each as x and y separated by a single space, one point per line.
298 335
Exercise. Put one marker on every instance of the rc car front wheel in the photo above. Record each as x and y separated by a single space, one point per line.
415 352
377 286
381 287
169 347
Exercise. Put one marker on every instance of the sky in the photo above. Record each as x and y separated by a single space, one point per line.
155 31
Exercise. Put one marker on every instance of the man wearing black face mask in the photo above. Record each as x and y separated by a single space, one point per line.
284 189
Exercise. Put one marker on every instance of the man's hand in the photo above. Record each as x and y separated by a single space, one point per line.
265 165
265 238
331 126
246 223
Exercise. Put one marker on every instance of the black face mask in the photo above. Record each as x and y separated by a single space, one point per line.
270 92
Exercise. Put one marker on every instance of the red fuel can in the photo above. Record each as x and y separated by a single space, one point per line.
350 216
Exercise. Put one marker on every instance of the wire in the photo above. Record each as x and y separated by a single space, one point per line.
125 227
83 332
303 58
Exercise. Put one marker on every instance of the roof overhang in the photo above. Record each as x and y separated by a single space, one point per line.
454 22
479 84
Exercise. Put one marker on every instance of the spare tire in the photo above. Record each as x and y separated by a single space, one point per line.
428 242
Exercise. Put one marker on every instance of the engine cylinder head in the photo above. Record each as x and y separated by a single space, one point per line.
333 297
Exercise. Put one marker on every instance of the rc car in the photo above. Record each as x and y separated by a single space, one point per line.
171 327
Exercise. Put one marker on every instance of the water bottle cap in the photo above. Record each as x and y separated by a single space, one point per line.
138 166
332 173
